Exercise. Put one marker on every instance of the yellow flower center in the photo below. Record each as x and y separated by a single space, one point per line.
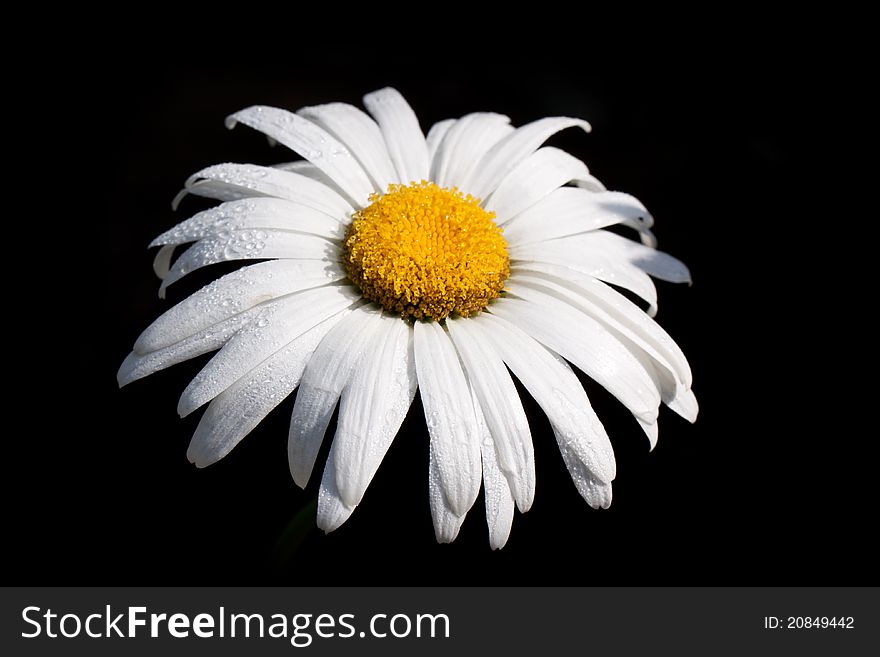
427 252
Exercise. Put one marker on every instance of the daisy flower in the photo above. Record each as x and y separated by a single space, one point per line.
394 261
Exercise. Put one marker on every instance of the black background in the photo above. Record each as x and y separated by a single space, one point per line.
709 132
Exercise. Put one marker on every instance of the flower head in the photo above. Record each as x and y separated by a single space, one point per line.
398 262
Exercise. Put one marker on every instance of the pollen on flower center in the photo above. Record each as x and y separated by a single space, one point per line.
427 252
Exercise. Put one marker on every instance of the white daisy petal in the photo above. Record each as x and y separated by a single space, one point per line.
465 143
656 263
235 412
234 293
590 260
332 512
504 156
569 210
620 308
403 136
662 373
360 134
572 294
685 404
450 417
496 489
136 366
647 238
589 183
247 244
326 375
533 179
657 352
373 407
275 326
434 138
597 493
228 182
501 408
162 261
558 392
446 522
586 343
268 213
308 170
315 144
652 431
